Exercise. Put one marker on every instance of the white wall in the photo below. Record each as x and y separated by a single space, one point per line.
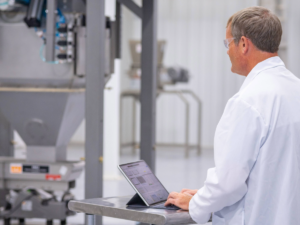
194 31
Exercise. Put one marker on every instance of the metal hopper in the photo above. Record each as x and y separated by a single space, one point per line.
45 118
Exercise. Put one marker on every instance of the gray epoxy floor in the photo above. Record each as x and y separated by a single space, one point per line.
173 169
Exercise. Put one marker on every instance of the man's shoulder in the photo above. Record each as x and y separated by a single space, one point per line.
270 84
269 92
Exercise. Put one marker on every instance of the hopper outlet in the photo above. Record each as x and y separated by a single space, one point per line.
45 118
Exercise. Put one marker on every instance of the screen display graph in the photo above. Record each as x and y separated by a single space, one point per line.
145 182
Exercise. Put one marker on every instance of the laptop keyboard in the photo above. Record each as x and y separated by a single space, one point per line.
162 206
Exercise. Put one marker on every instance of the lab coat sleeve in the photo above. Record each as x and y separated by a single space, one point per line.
239 135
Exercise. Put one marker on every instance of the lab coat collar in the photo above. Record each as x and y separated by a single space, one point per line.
264 65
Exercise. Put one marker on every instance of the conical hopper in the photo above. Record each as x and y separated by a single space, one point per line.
45 118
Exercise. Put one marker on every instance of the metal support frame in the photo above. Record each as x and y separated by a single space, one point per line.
197 99
135 99
131 5
118 30
187 123
148 82
50 30
134 122
181 94
148 13
95 83
90 219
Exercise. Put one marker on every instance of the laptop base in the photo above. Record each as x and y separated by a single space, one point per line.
137 202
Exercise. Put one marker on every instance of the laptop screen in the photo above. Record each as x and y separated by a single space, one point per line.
145 182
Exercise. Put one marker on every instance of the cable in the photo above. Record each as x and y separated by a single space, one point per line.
62 18
4 3
43 58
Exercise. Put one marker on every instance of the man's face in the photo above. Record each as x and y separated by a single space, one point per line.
233 52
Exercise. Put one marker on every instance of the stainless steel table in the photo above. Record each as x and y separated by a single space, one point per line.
116 207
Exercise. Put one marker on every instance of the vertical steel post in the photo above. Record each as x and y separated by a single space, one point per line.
148 84
50 30
133 124
121 125
95 72
118 29
90 219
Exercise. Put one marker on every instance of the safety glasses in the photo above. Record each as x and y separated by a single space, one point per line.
228 41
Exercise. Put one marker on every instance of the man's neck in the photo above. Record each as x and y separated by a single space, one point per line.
257 58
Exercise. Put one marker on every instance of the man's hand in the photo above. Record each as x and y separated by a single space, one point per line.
189 191
181 200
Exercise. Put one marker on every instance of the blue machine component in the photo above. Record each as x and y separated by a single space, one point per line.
24 2
4 3
62 18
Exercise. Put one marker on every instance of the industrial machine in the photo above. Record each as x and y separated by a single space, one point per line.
165 75
42 96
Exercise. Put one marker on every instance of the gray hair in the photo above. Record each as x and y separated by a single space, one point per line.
258 24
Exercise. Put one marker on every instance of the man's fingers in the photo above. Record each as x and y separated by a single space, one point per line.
170 201
187 193
173 195
184 190
171 198
179 199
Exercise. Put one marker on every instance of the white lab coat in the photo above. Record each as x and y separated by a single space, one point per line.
256 179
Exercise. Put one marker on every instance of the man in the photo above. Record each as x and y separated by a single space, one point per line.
256 179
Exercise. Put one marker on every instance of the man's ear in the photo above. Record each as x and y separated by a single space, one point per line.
244 43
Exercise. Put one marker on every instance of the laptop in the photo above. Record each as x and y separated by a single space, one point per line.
150 192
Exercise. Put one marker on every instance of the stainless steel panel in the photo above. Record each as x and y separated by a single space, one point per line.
20 57
6 137
46 153
44 117
67 171
44 185
116 207
36 209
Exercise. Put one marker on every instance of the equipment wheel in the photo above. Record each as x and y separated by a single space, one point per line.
7 221
22 221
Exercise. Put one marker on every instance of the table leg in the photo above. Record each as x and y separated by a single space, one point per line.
187 125
133 125
90 219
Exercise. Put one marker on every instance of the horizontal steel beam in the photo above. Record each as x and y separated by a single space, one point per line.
131 5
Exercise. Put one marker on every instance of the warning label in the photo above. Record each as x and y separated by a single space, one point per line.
16 168
26 206
35 169
53 177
